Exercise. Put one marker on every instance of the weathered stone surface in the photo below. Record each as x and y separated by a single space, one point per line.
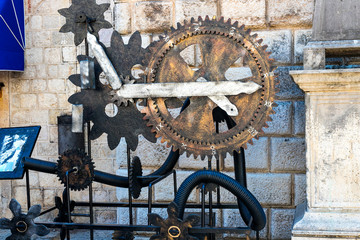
332 120
287 154
287 12
336 20
105 216
122 13
33 56
302 37
68 54
152 16
300 189
251 13
52 55
186 9
281 120
51 22
279 43
256 156
299 117
281 222
35 22
288 89
47 100
268 188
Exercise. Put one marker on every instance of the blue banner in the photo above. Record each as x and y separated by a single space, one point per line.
12 35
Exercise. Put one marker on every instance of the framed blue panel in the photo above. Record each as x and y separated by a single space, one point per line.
15 144
12 32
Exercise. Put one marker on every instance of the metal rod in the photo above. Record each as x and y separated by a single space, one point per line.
218 168
91 210
28 188
155 205
129 192
203 205
175 183
68 204
150 190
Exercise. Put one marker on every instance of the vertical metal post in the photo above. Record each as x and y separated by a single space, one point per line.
175 183
203 205
90 186
129 192
68 204
28 188
218 169
150 190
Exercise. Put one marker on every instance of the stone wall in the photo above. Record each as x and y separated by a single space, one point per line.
275 163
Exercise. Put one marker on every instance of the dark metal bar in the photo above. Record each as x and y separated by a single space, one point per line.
91 210
175 183
146 228
129 192
68 199
47 211
150 190
80 215
154 205
28 189
89 153
203 205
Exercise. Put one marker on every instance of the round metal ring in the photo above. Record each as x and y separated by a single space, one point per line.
177 229
22 228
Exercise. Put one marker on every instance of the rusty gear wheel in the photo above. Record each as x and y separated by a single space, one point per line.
84 169
222 45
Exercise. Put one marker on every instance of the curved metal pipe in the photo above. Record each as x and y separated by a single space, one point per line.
242 194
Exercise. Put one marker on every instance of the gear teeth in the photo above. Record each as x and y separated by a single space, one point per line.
192 20
254 36
242 27
228 21
248 32
207 18
221 20
260 42
251 142
178 26
236 24
172 29
200 19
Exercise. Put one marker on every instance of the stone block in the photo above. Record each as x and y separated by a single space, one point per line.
28 101
65 70
19 193
152 16
44 133
52 55
38 85
58 38
122 14
248 12
299 117
314 58
35 22
33 56
281 120
232 218
295 13
53 114
47 7
49 180
49 197
40 38
281 223
56 85
288 89
270 188
288 154
47 101
186 9
302 37
68 54
256 156
103 152
19 117
194 163
105 216
51 22
20 86
151 154
39 117
300 189
47 149
164 190
279 42
123 215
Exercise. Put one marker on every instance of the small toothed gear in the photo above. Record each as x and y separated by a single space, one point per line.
120 100
82 165
134 181
222 45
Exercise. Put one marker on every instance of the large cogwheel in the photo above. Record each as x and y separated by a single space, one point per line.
125 120
223 46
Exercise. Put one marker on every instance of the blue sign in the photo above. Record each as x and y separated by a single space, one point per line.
12 35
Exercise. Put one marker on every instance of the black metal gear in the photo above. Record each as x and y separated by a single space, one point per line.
83 16
79 161
128 121
221 43
134 181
